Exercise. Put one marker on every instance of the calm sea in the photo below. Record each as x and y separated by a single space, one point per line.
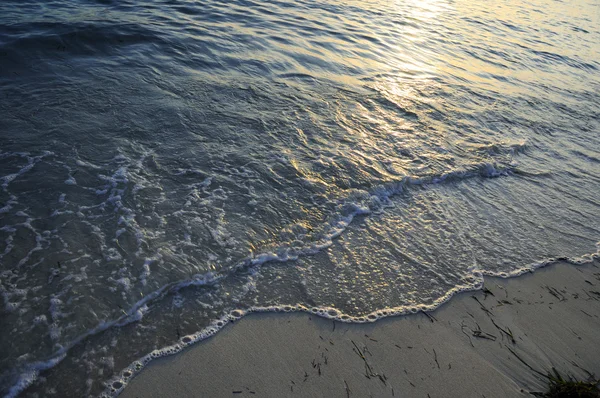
168 166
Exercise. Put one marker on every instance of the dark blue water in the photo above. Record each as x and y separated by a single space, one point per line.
167 166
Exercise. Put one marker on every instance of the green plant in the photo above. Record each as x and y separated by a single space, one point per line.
559 387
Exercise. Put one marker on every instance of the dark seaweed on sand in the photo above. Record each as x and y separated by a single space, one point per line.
559 387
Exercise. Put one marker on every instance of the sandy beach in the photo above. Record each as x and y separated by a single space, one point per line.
192 191
492 343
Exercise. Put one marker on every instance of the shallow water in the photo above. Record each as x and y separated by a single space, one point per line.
167 166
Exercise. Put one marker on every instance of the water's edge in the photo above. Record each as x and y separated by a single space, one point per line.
117 384
381 195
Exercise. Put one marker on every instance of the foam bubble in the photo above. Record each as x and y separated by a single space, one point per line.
475 282
348 210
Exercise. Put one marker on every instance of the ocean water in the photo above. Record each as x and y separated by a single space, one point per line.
169 166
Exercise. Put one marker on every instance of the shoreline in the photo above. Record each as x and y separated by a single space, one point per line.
489 342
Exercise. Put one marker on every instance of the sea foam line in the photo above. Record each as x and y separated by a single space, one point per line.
380 196
117 384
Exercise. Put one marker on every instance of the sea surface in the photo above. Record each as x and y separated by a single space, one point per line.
169 166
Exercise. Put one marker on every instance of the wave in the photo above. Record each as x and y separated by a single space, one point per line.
357 203
75 37
118 383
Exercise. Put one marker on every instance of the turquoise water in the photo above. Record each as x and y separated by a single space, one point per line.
167 166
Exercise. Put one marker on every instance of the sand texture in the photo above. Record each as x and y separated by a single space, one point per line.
479 344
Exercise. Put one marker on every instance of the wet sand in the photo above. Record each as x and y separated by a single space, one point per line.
490 343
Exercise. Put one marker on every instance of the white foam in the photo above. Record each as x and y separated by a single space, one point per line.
9 204
70 181
125 282
146 271
31 373
31 162
584 259
473 281
82 163
360 202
